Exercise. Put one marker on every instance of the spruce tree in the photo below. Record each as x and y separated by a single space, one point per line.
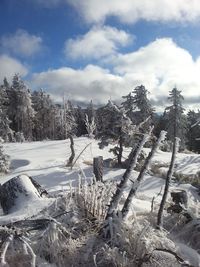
5 131
129 106
193 131
114 126
20 109
142 103
45 116
175 118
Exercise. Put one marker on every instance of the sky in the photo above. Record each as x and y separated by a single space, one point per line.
103 49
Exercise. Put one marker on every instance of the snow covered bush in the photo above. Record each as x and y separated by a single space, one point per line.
4 159
136 245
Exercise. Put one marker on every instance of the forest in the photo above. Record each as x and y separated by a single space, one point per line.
33 116
102 185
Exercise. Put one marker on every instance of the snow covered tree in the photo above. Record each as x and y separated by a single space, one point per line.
116 127
142 103
20 109
70 127
4 159
5 132
90 120
167 182
45 116
129 106
90 126
193 131
80 121
175 118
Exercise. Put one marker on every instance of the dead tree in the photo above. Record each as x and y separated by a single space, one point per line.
72 156
140 177
167 183
132 163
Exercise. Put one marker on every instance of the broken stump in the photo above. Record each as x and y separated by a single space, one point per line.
98 168
19 190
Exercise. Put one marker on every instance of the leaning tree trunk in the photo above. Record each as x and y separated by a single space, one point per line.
71 158
119 155
15 192
140 177
167 183
120 188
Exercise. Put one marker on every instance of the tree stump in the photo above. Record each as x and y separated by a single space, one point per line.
19 190
98 168
180 197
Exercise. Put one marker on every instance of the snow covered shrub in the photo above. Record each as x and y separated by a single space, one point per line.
52 245
4 159
15 250
93 198
159 169
135 245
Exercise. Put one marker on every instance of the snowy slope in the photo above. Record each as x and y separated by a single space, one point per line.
45 162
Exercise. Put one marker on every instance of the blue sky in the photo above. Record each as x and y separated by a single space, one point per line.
100 50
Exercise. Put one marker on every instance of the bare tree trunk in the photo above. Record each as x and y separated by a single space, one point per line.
119 155
71 158
140 177
98 168
167 183
120 188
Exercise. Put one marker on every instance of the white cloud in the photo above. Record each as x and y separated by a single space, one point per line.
9 66
130 11
159 66
21 43
92 82
97 43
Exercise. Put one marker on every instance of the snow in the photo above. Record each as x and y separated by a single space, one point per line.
46 163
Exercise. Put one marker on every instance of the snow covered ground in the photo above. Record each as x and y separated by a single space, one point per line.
46 163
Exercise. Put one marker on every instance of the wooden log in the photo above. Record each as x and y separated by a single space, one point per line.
18 190
98 168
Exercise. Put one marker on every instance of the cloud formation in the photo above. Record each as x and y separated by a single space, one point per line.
9 66
21 43
97 43
159 66
130 11
91 82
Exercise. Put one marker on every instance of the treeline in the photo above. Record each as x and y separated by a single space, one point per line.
33 116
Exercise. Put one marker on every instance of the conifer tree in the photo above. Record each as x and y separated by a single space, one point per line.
142 103
129 106
175 118
5 132
20 109
193 131
115 127
45 116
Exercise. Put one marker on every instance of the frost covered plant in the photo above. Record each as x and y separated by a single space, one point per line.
4 159
90 126
93 197
52 245
135 245
16 252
